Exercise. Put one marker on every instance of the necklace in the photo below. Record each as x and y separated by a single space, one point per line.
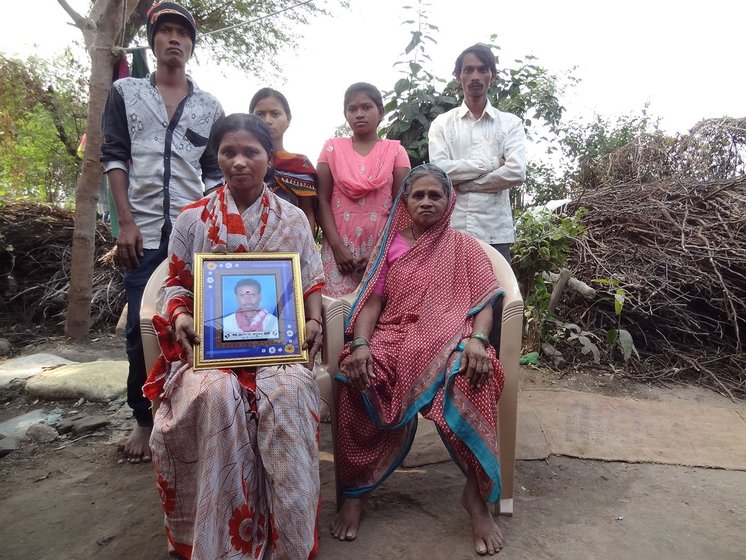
413 233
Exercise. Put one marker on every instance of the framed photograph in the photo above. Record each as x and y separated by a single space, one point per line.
248 310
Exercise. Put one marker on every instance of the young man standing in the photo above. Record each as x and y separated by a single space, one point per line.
483 152
156 159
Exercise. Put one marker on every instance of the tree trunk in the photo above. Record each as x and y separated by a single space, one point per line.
100 31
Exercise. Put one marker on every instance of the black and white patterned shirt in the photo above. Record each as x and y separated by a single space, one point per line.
168 163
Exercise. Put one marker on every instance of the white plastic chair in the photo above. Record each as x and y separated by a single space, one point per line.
510 352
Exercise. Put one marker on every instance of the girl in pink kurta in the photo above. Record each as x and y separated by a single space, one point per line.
358 179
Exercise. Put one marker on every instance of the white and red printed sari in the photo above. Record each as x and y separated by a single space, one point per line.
236 451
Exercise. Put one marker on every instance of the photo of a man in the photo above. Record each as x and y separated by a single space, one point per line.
250 321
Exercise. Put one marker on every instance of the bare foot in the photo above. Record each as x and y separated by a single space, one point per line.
487 536
325 414
137 447
346 522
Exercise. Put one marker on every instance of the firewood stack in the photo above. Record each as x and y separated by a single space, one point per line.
678 249
35 246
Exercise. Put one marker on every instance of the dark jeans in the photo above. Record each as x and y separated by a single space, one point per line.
134 286
497 307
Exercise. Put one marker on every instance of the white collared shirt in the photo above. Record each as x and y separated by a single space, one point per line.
483 158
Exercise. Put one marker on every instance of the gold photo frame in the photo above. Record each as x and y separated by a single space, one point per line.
248 310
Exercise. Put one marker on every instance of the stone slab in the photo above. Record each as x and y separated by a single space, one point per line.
89 424
41 433
592 426
531 441
24 367
428 449
15 427
100 381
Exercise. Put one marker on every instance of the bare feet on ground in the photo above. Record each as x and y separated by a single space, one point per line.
346 522
487 536
137 447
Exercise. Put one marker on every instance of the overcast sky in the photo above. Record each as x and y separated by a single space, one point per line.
685 59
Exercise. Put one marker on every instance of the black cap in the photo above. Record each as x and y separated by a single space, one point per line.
170 9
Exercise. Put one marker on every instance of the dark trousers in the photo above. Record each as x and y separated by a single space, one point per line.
497 307
134 286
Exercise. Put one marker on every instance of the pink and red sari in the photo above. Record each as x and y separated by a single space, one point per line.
235 452
361 202
431 294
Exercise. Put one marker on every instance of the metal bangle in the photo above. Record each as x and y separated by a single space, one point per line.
357 343
481 337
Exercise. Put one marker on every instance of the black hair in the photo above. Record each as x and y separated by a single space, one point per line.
269 92
247 282
425 170
368 89
483 53
241 121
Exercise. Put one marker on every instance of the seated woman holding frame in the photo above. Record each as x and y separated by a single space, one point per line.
235 451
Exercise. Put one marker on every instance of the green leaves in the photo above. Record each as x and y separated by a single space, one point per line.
619 294
416 40
622 339
543 241
618 337
42 118
527 90
402 85
573 334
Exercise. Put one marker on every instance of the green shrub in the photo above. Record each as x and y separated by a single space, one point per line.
542 245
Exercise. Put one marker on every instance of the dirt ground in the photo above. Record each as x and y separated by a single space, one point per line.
73 499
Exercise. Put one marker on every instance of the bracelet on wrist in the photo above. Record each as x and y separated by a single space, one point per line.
357 343
481 337
315 320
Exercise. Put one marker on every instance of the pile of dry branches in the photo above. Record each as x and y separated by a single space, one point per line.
35 245
678 249
713 149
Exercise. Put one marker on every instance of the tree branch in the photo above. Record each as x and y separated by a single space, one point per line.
136 20
50 103
81 22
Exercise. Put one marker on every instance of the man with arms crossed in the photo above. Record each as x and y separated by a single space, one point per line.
483 152
156 158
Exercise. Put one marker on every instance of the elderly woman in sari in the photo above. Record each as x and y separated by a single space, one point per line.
420 328
235 451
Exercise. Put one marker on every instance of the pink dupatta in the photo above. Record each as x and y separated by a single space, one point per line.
356 179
